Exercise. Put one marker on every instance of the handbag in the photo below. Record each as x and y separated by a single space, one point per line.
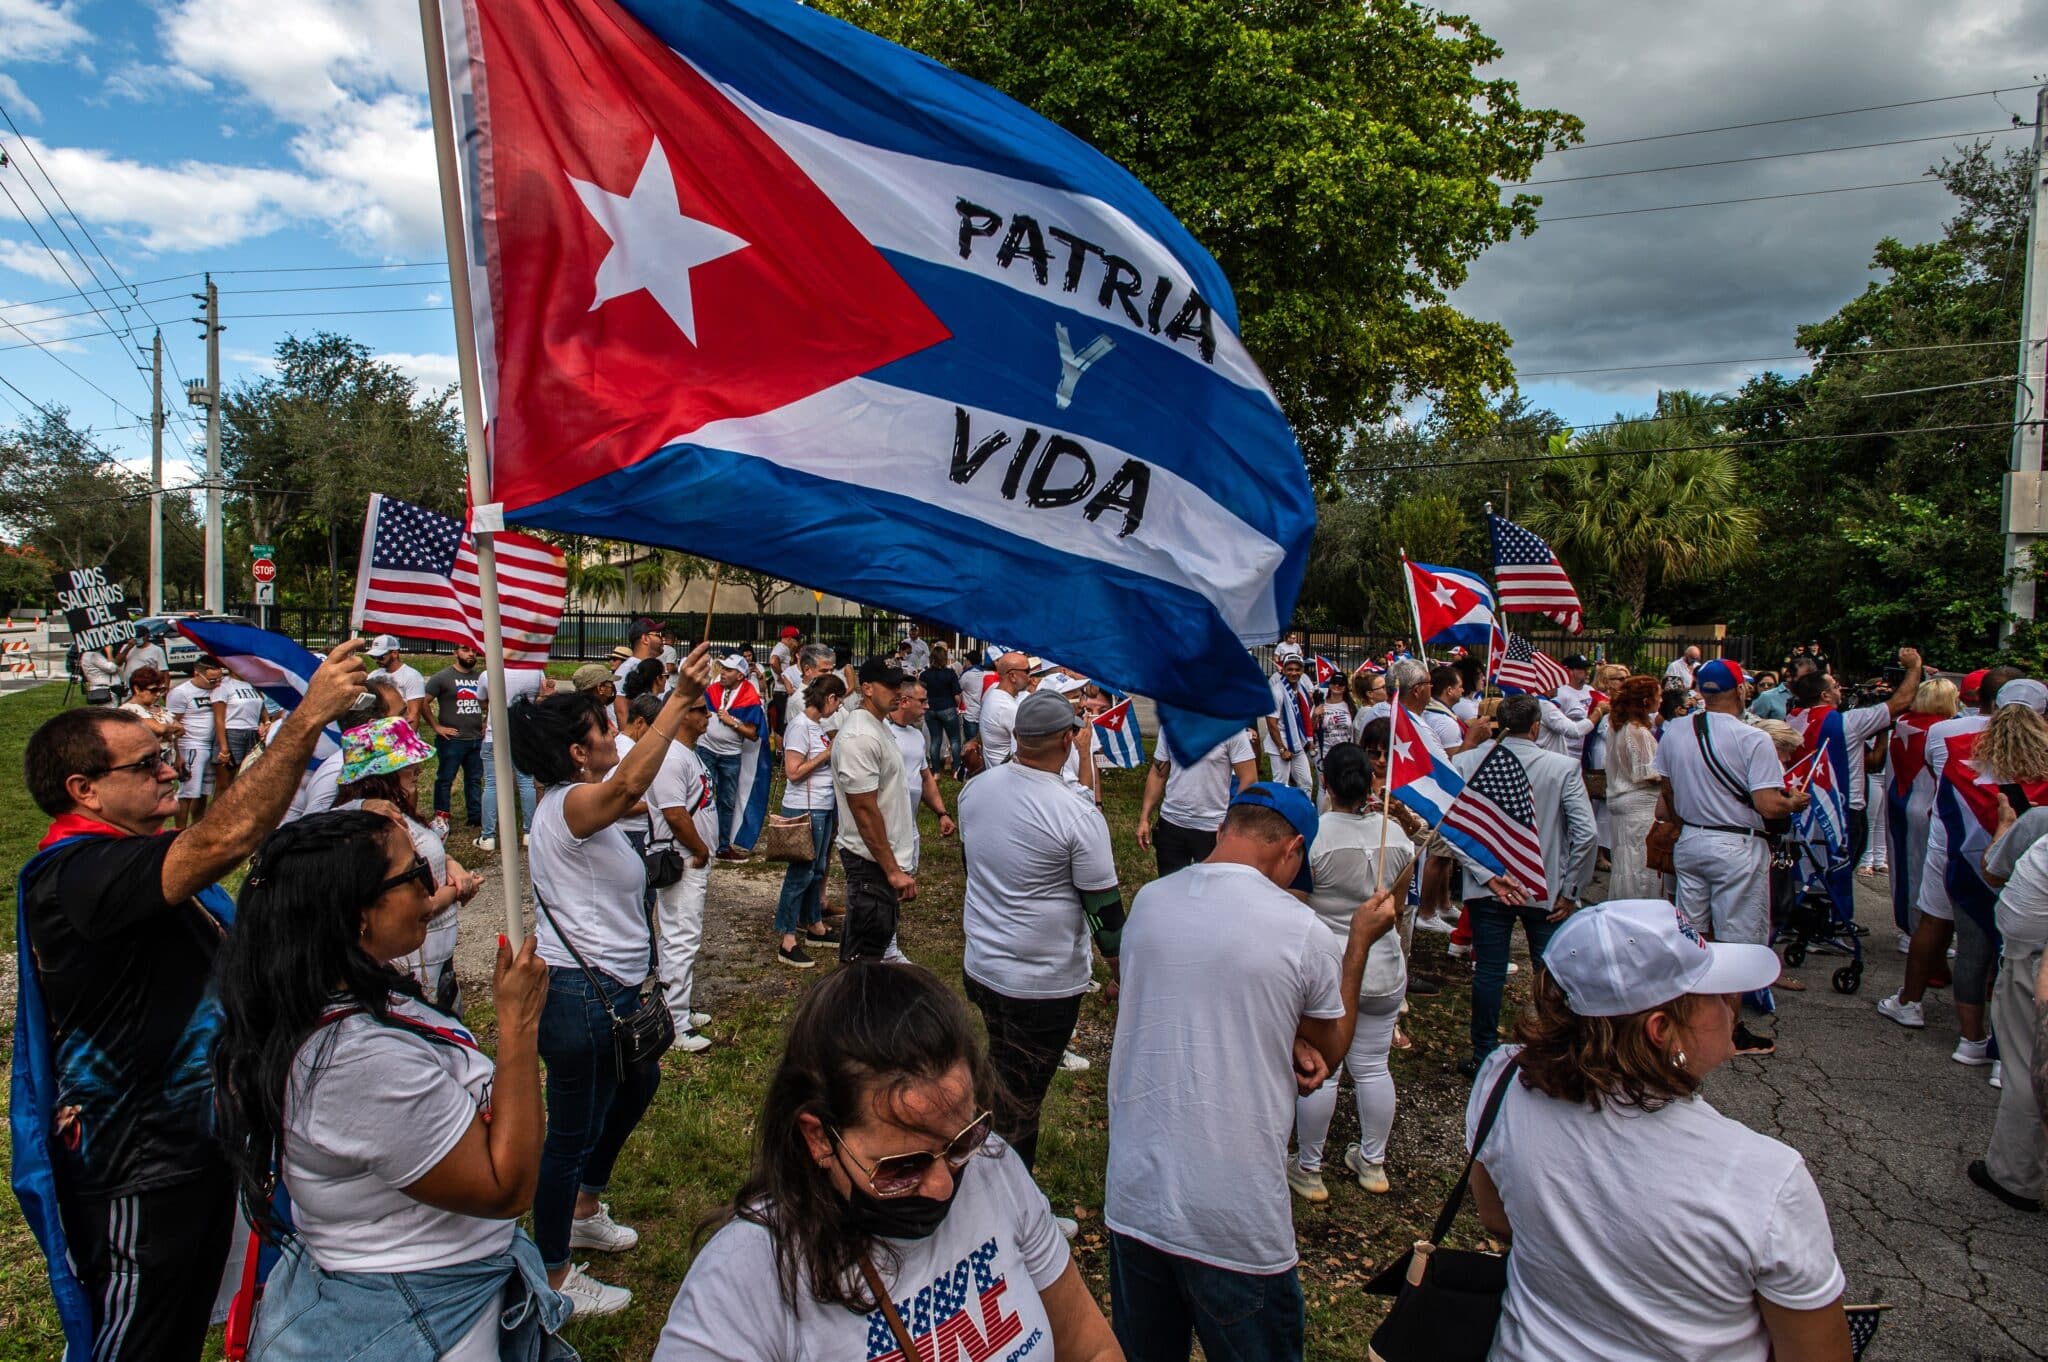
787 837
1446 1301
1659 845
664 864
636 1039
1596 782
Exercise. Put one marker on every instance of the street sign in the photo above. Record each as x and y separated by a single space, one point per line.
264 570
266 593
260 550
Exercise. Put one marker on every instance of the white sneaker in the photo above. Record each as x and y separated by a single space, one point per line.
1069 1227
1998 1074
486 844
699 1020
690 1042
1458 950
1371 1176
1905 1014
1514 968
1095 986
1905 944
1306 1184
1439 925
1975 1053
601 1232
1073 1063
589 1296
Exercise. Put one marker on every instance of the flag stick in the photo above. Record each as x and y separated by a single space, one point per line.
452 223
1379 865
1414 610
712 605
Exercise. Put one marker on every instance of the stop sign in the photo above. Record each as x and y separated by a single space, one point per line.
264 570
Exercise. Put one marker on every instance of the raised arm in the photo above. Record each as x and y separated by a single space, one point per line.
594 805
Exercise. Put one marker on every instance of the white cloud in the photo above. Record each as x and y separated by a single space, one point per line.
17 99
431 372
37 31
144 83
26 257
434 298
22 324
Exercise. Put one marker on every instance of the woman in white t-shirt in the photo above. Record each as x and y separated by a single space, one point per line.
878 1181
237 726
1643 1222
407 1153
147 688
590 890
381 760
807 792
190 704
1354 857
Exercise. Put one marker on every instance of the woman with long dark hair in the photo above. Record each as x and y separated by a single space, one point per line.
407 1153
807 791
589 888
877 1180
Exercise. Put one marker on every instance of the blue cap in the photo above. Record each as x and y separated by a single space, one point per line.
1297 808
1718 677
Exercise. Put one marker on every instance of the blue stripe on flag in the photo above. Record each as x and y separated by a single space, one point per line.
272 663
838 78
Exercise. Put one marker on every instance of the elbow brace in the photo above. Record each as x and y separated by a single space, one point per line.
1104 909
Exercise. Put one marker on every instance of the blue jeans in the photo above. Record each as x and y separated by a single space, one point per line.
942 726
1493 931
526 797
1159 1302
467 756
725 790
803 884
591 1110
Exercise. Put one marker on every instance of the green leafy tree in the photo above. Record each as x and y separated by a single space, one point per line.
65 495
1342 162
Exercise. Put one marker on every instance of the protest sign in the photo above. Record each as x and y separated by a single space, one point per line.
94 606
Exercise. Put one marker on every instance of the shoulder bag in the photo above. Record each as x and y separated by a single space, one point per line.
787 837
636 1039
1773 827
1447 1301
664 860
905 1345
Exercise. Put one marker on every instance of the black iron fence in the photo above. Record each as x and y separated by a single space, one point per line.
1637 652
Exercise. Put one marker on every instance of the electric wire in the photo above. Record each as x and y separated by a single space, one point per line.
1793 118
1770 156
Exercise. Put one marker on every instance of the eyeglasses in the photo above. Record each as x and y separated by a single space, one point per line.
418 870
148 766
900 1174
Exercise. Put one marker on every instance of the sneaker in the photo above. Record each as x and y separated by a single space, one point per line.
486 844
690 1042
1981 1175
1420 986
733 854
1069 1227
1975 1053
589 1296
1905 944
1905 1014
1306 1184
1514 968
1073 1063
699 1020
1441 925
440 825
1748 1042
1371 1176
1998 1074
794 956
1095 986
1458 951
601 1232
829 937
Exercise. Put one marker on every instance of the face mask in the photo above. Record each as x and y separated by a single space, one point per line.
899 1217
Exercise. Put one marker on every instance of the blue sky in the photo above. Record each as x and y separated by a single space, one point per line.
283 145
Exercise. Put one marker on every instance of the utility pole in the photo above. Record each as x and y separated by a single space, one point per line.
156 475
208 395
2026 508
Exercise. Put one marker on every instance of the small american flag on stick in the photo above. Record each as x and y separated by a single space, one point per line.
1495 810
1529 577
418 578
1524 668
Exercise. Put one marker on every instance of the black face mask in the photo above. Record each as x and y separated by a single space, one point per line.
899 1217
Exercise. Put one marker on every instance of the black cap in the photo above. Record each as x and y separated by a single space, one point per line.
881 670
1579 662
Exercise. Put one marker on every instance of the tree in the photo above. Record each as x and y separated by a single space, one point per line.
763 587
66 496
1342 162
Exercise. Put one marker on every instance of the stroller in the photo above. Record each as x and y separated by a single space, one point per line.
1811 920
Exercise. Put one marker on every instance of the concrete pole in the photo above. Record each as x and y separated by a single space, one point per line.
2030 399
156 476
216 576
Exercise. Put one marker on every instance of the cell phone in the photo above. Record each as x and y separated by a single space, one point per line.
2014 795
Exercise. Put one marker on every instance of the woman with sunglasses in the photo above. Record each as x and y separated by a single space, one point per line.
147 687
407 1153
877 1184
590 889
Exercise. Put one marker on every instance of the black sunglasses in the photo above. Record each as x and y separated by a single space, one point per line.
900 1174
148 766
418 870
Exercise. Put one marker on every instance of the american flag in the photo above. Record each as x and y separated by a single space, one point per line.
1495 810
418 578
1524 668
1529 576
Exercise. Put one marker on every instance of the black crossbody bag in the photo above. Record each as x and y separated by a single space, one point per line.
664 862
643 1036
1447 1302
1773 827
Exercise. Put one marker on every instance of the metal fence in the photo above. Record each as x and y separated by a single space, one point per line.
1641 653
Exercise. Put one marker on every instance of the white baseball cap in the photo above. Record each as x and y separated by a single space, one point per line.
2024 690
382 644
733 662
1630 955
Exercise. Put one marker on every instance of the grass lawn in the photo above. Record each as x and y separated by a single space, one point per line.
693 1147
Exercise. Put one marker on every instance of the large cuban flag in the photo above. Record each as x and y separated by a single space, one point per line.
272 663
754 283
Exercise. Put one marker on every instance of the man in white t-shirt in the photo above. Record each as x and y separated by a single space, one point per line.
1290 727
1722 789
920 650
191 704
1040 881
384 651
680 807
1682 674
877 834
973 683
1223 973
145 651
1192 799
1570 713
999 708
920 786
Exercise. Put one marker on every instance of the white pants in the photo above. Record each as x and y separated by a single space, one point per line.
679 924
1294 771
1874 851
1371 1084
198 780
1724 884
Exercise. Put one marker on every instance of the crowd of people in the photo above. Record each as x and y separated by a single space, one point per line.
891 1196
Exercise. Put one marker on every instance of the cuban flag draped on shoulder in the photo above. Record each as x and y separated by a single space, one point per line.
752 282
272 663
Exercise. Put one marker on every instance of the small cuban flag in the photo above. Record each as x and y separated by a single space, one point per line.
272 663
1428 786
1326 670
1118 736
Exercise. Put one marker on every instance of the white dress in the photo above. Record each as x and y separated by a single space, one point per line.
1631 808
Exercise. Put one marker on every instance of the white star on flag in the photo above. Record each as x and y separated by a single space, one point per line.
1400 750
1445 596
655 244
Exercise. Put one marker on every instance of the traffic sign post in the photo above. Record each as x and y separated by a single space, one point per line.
264 570
266 593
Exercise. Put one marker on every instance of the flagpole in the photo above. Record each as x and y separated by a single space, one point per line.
712 604
1414 610
502 773
1379 866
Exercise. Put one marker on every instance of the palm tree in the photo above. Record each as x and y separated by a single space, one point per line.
1646 499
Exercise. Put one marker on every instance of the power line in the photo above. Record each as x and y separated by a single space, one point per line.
1732 446
66 297
336 288
1762 359
1794 118
1753 198
318 269
1771 156
339 312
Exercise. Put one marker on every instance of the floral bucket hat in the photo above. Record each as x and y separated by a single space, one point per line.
379 748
